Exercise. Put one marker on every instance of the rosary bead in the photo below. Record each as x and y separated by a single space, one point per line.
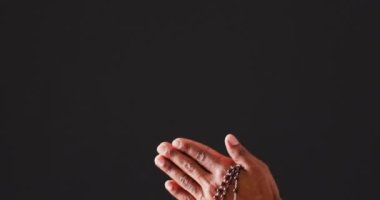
230 178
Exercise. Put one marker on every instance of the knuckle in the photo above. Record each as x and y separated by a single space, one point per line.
185 181
200 156
189 167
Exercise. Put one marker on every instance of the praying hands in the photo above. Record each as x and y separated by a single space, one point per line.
197 171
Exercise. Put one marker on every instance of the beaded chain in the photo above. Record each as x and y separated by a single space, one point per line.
230 178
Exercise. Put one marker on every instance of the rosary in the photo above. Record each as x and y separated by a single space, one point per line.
231 178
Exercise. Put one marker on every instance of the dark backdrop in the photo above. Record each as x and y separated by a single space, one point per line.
89 89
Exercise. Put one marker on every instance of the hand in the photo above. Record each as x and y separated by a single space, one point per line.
197 170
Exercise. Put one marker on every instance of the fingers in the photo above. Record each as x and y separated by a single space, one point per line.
185 163
177 192
197 170
186 182
204 155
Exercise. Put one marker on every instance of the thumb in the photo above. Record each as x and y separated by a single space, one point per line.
237 151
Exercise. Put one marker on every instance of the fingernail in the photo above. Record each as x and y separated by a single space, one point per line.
161 149
232 140
176 143
168 185
159 161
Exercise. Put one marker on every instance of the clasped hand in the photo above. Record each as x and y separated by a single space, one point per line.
196 170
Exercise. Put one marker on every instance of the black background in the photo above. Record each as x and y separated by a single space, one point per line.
89 89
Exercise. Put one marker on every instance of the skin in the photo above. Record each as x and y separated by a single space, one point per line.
196 171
